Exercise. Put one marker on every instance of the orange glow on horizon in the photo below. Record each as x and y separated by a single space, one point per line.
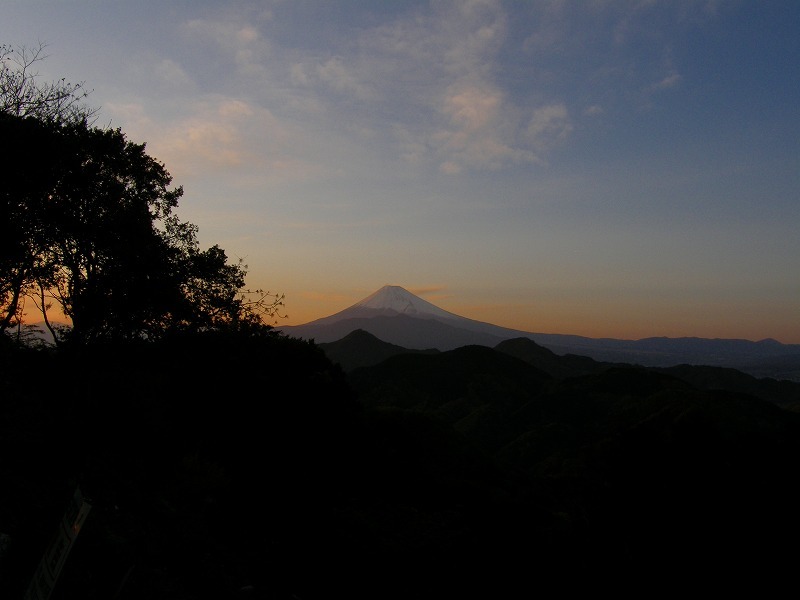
593 320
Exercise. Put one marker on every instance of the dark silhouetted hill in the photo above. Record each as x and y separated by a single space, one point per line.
362 349
644 464
784 392
560 367
222 466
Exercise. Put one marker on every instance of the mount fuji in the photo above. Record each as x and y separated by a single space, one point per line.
395 315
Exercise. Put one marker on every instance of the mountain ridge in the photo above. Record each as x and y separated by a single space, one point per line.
396 316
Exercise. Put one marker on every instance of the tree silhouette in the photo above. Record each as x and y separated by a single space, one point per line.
28 172
92 227
21 93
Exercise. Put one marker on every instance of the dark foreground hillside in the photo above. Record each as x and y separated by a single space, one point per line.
223 467
653 477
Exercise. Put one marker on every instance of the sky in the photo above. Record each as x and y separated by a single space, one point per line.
603 168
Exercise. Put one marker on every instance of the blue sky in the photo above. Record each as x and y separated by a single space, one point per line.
604 168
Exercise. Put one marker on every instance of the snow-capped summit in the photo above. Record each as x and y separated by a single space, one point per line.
390 301
395 299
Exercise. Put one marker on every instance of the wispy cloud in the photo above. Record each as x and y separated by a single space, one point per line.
430 79
236 40
446 59
667 82
168 72
211 138
478 133
434 292
335 74
548 124
223 136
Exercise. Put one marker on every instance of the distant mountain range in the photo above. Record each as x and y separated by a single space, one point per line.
396 316
359 351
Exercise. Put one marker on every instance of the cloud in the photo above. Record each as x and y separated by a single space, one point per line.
235 38
335 74
298 75
472 109
475 151
247 34
134 117
412 148
227 34
449 167
548 124
207 141
439 82
455 112
428 81
667 82
170 73
232 108
486 132
436 291
222 136
473 34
